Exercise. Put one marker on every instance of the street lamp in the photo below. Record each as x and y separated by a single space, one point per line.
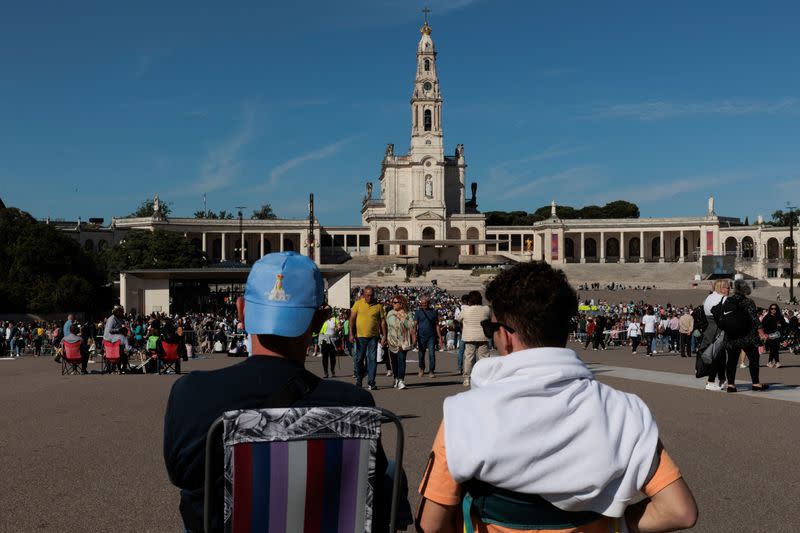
792 247
241 235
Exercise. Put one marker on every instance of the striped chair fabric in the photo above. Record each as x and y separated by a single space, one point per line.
300 470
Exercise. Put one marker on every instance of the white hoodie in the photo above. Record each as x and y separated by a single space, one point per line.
537 422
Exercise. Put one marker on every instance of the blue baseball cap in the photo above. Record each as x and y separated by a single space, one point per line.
282 293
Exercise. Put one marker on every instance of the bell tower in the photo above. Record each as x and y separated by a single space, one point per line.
426 101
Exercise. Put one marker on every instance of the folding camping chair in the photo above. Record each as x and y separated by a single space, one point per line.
112 357
71 360
300 469
170 358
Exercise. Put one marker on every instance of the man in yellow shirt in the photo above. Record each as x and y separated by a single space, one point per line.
367 323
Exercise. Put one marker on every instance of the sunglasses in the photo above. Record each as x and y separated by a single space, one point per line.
395 302
490 328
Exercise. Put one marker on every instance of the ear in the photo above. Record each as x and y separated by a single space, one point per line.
240 308
320 316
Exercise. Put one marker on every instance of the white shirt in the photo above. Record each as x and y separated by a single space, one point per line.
649 322
634 330
713 299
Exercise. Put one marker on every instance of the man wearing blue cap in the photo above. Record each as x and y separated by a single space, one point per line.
283 305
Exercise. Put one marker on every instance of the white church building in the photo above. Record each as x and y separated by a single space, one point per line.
421 212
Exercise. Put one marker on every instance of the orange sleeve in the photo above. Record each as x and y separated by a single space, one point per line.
666 474
437 484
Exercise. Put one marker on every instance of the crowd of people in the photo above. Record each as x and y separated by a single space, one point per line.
540 475
139 336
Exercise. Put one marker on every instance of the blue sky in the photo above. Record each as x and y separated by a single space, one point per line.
104 104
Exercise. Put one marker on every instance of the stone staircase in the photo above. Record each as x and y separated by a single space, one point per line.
663 275
454 280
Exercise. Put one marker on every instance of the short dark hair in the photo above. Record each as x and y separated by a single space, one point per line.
475 298
536 300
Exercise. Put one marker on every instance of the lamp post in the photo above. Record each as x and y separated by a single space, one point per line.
791 209
241 235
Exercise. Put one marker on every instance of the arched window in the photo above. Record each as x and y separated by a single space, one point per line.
589 248
634 248
748 248
612 247
731 246
655 248
427 65
427 121
773 248
428 234
88 245
101 245
569 248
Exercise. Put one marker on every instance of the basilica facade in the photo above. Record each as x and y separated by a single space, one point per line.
421 211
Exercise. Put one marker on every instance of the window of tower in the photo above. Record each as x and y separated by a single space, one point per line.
427 65
427 120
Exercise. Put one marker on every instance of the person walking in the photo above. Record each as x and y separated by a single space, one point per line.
773 324
476 342
328 337
401 336
650 322
634 333
428 332
460 344
709 333
742 338
685 329
367 328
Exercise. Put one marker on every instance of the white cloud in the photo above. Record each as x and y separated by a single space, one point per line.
222 162
659 110
570 178
514 170
314 155
646 191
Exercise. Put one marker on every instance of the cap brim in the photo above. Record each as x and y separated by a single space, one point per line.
262 319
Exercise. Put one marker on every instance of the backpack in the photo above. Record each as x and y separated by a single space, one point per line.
700 320
731 318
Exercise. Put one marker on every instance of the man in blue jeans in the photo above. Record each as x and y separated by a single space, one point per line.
367 324
428 332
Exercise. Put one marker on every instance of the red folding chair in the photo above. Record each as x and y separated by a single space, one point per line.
170 358
71 360
112 357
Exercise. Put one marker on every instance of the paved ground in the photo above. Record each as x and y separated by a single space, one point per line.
83 453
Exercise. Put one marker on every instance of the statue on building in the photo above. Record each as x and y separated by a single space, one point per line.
389 150
459 151
710 206
428 187
553 209
369 190
474 187
156 205
529 245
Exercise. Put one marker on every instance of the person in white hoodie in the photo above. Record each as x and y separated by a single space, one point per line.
538 444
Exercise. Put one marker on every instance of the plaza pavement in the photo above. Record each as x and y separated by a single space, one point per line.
83 453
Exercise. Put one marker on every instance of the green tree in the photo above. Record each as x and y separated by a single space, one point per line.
781 218
223 215
264 213
620 209
153 250
45 270
146 209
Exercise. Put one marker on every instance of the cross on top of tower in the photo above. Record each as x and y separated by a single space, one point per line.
426 29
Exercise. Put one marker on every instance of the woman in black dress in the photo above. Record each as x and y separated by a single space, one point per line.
773 324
